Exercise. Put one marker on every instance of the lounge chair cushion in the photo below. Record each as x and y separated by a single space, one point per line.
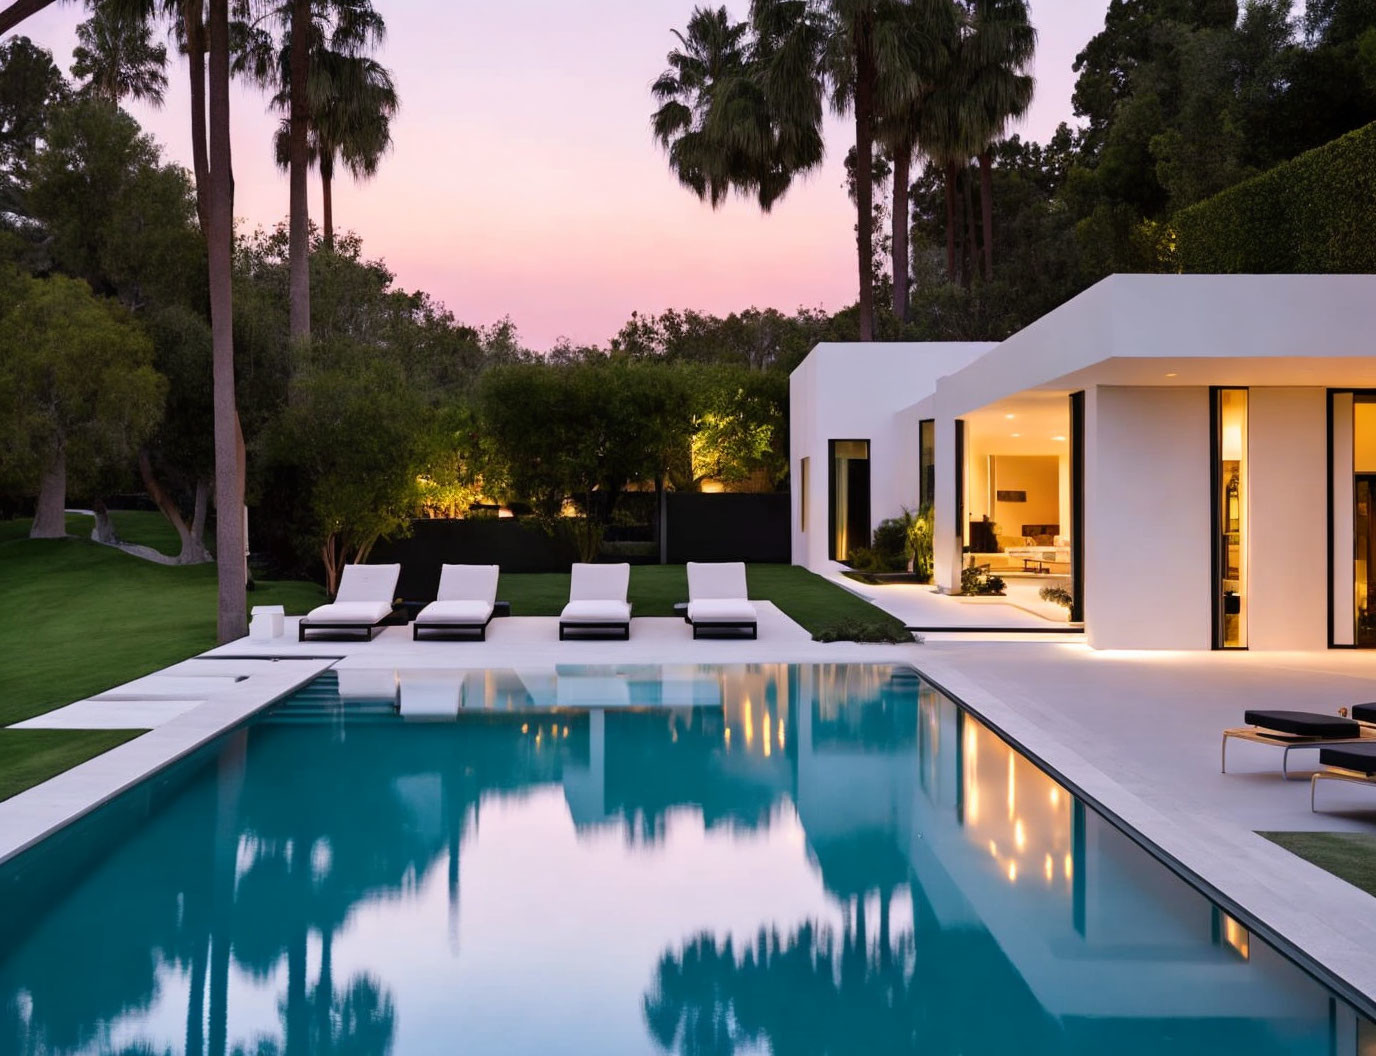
603 611
359 612
721 610
456 612
599 582
1359 757
716 579
1364 712
469 583
1304 723
370 583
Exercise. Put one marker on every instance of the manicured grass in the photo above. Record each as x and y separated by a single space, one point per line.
1351 856
28 757
77 618
805 597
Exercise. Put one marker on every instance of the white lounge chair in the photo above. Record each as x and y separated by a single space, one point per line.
364 599
597 605
463 606
718 601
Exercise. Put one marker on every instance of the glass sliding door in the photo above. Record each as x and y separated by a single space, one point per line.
849 488
1364 519
1230 518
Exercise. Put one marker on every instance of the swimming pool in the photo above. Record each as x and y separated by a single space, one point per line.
753 859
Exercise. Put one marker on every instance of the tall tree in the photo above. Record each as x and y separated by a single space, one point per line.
308 27
1000 47
739 112
79 391
353 101
116 58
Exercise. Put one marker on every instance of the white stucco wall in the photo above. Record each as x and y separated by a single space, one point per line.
1287 450
862 392
1147 514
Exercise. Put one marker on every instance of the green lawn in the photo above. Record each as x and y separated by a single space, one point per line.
77 618
28 757
805 597
1350 856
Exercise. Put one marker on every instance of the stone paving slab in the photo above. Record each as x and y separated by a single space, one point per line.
106 714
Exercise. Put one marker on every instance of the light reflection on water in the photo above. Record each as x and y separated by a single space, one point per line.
735 860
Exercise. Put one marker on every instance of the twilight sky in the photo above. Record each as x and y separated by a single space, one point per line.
524 181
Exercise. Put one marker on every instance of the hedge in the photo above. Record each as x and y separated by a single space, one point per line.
1314 213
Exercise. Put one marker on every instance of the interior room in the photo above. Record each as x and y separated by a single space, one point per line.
1017 486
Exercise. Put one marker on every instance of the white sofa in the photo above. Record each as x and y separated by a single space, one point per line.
365 598
463 605
597 605
718 601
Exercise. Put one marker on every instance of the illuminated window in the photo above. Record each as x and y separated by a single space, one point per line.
1230 503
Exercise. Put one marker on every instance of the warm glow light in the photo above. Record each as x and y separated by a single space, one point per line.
726 735
1055 796
767 740
525 727
1069 867
749 722
1010 417
1012 872
1016 435
566 731
1058 438
993 848
1170 374
781 733
1019 835
973 812
1011 796
1050 868
1236 936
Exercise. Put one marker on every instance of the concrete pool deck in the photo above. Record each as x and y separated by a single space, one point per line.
1137 732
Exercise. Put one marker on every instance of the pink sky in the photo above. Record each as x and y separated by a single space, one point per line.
524 181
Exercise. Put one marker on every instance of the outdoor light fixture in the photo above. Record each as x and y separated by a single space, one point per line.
1010 417
1060 438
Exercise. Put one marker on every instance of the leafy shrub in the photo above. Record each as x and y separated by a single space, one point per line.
1314 213
863 559
920 535
890 541
1056 595
975 579
852 630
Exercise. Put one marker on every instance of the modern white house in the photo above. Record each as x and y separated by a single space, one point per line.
1194 454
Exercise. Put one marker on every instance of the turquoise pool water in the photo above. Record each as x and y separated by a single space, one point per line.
763 859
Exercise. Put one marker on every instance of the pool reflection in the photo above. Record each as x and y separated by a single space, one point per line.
792 860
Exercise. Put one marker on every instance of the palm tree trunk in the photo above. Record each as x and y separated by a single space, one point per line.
972 243
949 180
864 180
18 11
194 27
986 204
298 242
327 201
902 161
229 491
50 515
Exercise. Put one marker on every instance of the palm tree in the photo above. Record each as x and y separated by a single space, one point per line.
719 116
308 27
116 57
1001 46
353 101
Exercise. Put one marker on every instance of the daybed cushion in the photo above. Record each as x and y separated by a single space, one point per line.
1364 712
359 612
456 612
370 583
1359 757
469 583
596 612
1303 723
599 582
716 579
721 610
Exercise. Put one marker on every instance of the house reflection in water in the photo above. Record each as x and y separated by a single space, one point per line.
278 898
